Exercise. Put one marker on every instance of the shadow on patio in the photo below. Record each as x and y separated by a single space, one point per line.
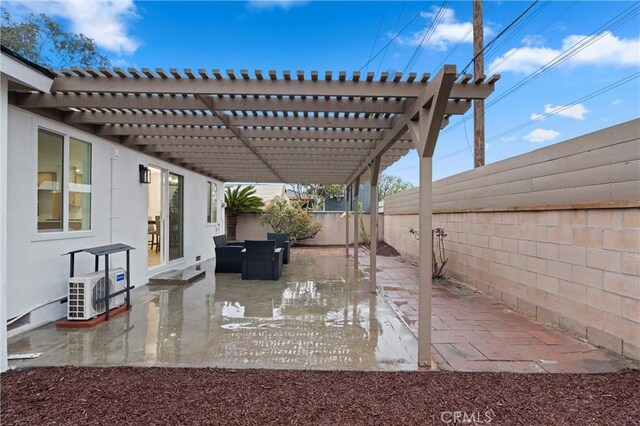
319 315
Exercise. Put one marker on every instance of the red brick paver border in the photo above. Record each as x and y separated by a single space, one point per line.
474 332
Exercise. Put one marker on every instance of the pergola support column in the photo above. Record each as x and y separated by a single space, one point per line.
346 213
373 227
356 221
425 264
424 128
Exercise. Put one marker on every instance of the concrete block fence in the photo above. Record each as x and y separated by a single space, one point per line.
559 241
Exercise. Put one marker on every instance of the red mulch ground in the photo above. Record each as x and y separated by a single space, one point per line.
172 396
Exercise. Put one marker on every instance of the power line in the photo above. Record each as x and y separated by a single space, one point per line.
425 38
404 3
496 38
598 92
530 37
375 39
584 98
576 48
394 37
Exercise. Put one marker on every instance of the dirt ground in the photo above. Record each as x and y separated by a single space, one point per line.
177 396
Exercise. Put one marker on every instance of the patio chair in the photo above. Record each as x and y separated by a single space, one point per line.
261 260
227 255
282 241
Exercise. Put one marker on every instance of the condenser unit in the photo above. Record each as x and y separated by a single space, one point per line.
86 292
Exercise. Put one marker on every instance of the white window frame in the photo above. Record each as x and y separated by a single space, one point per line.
214 184
65 233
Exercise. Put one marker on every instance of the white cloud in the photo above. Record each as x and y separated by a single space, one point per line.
577 111
606 50
617 102
448 31
105 21
508 138
541 135
274 4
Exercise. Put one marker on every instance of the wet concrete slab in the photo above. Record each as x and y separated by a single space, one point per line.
318 316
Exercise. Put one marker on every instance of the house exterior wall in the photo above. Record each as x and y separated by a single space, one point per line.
337 204
37 273
554 234
332 233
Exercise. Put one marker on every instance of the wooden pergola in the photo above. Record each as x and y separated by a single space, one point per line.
265 127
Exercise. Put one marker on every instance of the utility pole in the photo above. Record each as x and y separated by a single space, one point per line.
478 70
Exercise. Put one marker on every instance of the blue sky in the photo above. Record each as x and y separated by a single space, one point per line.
336 36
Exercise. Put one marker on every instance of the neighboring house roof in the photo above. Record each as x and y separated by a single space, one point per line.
268 192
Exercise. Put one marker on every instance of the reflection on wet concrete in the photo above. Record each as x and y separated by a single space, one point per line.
319 315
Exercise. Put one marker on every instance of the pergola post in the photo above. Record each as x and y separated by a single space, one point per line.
346 214
373 227
425 264
424 126
356 221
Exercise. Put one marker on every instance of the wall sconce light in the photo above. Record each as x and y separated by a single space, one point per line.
145 174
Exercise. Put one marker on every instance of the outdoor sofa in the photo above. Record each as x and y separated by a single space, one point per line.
282 241
227 255
261 260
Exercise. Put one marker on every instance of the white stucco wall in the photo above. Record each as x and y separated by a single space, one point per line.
36 271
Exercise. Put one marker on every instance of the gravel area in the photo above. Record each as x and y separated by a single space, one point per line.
172 396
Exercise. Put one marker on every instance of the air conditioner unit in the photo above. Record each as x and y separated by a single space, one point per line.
86 290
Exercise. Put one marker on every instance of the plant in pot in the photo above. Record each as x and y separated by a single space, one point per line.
239 200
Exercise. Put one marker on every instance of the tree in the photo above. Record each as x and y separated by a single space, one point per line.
315 194
240 200
285 216
41 40
389 184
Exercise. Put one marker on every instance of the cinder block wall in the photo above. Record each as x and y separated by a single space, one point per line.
554 234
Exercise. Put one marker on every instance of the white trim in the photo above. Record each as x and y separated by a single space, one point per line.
4 171
16 71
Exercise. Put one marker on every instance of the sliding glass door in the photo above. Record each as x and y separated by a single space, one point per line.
165 218
176 216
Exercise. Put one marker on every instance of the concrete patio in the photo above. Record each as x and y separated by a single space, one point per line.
319 316
473 332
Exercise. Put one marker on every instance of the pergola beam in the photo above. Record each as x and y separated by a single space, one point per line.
242 87
253 133
272 142
207 103
188 119
190 103
442 86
